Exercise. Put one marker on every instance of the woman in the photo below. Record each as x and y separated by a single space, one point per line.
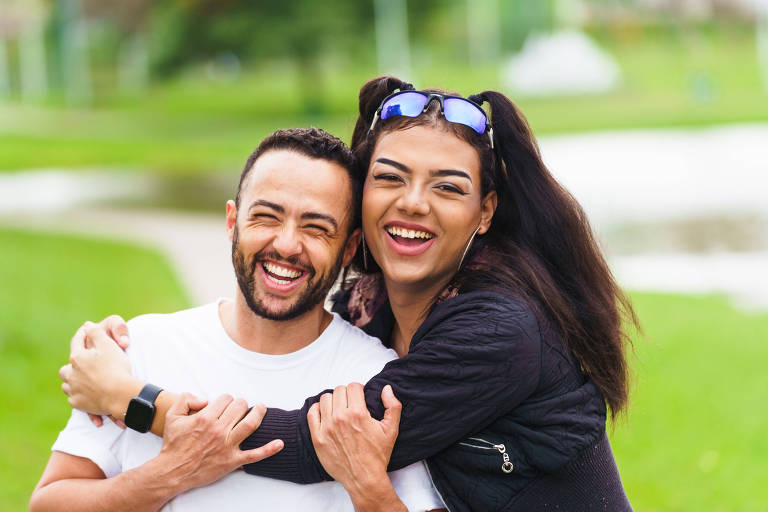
482 272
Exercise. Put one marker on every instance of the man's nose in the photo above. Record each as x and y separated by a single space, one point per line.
413 201
287 242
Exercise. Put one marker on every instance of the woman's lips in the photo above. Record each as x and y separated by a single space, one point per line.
408 246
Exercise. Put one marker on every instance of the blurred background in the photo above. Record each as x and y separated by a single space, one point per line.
124 126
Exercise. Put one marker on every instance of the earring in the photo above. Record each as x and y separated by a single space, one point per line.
466 249
365 254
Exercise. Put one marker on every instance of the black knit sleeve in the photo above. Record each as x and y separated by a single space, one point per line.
475 358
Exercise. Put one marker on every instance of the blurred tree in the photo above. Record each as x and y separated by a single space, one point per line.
303 31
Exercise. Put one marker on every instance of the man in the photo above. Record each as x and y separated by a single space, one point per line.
292 227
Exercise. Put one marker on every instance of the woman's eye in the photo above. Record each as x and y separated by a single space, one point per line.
387 177
447 187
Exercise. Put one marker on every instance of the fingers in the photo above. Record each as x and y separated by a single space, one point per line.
356 396
95 419
117 329
216 408
393 409
120 423
261 453
313 420
96 336
65 388
78 340
196 404
182 405
248 424
65 372
233 413
339 398
326 407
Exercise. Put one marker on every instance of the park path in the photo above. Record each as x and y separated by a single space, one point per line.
653 179
196 244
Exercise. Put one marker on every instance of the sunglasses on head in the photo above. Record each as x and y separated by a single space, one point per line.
455 109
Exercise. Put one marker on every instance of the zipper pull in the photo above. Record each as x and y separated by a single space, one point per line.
507 466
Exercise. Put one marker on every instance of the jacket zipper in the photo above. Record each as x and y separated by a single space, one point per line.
429 474
506 466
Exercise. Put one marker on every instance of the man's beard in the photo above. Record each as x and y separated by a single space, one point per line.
314 293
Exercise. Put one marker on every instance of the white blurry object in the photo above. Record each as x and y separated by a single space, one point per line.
565 62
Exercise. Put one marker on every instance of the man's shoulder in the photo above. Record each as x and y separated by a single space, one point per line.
185 319
355 343
158 333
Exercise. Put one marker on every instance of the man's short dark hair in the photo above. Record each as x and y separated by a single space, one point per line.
314 143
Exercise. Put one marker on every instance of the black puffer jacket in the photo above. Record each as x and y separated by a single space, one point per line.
481 374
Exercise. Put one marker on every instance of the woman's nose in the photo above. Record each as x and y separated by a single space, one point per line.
413 201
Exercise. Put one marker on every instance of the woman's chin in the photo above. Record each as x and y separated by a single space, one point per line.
419 277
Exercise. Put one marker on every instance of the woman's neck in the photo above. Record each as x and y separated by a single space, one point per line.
410 305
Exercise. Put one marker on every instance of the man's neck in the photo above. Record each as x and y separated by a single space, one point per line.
259 334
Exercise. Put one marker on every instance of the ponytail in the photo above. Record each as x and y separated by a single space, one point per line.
555 256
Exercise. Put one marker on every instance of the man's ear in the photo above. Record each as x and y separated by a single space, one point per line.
231 218
350 248
487 209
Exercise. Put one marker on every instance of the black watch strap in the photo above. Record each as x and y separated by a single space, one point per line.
149 393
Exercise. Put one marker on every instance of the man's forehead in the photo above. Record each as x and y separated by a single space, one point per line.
300 179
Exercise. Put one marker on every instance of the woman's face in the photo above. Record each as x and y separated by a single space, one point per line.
421 203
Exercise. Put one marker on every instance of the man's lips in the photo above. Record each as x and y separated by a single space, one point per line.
280 277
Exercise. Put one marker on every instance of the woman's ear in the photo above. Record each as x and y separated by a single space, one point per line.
487 209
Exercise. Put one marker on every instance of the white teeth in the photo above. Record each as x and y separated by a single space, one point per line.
281 271
408 233
276 280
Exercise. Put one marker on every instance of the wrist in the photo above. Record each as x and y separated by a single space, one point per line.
162 479
120 394
377 495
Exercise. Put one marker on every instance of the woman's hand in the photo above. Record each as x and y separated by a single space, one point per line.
202 447
353 447
98 369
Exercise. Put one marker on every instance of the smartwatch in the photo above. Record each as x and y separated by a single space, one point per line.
141 409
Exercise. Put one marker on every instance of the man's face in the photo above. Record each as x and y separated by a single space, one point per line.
289 237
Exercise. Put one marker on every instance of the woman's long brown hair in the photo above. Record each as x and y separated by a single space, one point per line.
540 245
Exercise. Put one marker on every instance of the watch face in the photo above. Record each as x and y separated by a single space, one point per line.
139 415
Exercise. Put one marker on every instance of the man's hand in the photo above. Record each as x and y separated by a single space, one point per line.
203 447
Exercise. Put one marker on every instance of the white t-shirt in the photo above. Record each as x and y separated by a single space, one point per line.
190 351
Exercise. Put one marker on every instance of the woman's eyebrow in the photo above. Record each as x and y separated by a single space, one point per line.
393 163
451 172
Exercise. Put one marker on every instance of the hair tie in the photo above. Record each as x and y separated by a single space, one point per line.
477 98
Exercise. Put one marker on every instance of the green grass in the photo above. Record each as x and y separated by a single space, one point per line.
689 76
49 285
694 438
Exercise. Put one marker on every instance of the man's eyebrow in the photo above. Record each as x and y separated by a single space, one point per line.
321 216
268 204
451 172
393 163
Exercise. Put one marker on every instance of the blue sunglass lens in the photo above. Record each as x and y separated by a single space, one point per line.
458 110
409 104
